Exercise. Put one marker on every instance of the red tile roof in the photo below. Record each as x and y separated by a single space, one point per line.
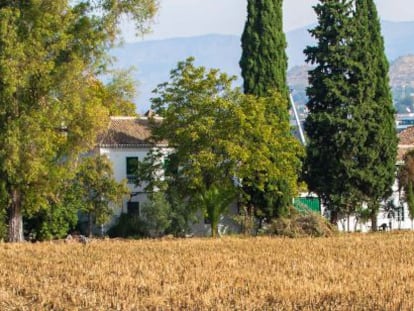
127 132
406 136
406 142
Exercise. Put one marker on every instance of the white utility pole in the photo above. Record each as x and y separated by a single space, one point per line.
301 134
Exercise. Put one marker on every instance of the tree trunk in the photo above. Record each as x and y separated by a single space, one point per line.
214 230
90 225
15 218
248 219
356 224
334 218
349 223
374 221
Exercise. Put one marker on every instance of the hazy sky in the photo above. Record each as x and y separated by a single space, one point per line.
180 18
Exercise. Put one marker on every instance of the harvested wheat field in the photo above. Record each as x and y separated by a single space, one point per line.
350 272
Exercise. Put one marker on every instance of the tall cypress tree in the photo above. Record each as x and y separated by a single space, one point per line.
352 140
264 61
378 151
331 126
263 68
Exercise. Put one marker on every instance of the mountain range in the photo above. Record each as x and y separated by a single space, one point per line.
153 60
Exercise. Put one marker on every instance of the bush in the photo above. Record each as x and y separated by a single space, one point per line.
302 224
157 214
52 223
129 226
3 225
181 216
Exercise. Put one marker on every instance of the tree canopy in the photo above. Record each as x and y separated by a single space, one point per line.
263 68
98 189
221 137
50 55
379 150
264 62
352 139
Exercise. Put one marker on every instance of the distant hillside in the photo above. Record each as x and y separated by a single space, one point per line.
402 71
401 82
154 59
298 76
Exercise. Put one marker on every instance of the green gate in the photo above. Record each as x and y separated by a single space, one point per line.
307 203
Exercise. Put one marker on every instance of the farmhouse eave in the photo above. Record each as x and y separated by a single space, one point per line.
128 132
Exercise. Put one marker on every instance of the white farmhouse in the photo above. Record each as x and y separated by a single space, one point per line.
124 143
394 219
127 141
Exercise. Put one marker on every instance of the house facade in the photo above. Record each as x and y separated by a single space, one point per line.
395 217
125 143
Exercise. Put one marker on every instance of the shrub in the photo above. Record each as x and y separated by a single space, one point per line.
157 214
129 226
52 223
3 225
302 224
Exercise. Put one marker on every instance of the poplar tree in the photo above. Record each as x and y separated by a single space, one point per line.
50 54
263 68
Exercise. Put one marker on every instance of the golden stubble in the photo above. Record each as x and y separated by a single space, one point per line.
349 272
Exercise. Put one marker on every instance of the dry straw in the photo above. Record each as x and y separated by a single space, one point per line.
353 272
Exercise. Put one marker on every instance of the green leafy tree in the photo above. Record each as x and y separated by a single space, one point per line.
50 54
264 61
58 218
98 189
118 94
189 104
182 213
215 202
269 173
157 213
195 109
220 136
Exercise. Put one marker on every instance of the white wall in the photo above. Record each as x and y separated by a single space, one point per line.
403 222
118 158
